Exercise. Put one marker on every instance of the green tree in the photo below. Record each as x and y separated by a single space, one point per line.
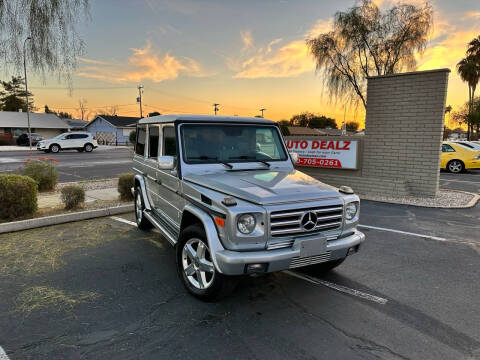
352 126
322 122
469 114
52 25
60 114
365 41
469 70
12 97
308 119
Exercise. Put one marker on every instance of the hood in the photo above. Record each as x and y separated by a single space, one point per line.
265 186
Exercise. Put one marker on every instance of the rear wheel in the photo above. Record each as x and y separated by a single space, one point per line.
140 219
196 268
54 148
455 166
88 147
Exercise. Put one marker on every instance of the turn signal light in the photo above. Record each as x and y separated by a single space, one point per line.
220 221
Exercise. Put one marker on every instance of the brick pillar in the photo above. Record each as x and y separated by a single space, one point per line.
404 128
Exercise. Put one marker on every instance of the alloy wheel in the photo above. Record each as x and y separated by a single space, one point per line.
197 264
455 166
138 209
88 148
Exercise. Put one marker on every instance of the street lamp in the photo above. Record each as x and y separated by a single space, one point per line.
26 92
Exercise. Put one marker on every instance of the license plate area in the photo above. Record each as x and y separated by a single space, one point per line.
313 247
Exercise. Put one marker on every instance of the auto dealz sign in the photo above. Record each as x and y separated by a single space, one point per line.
325 153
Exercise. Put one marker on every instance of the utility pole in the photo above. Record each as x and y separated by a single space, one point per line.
139 98
26 92
215 108
262 110
344 125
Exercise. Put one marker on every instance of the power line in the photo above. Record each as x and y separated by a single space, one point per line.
82 88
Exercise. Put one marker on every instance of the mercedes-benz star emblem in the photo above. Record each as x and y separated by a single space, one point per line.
309 220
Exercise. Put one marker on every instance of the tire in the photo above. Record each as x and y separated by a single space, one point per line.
194 262
324 267
455 166
88 147
142 221
54 148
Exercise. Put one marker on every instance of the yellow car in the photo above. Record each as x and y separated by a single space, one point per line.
456 158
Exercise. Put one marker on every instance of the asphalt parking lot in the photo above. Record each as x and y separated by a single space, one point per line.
467 181
104 289
73 165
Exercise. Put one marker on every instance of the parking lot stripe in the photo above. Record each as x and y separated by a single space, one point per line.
125 221
403 232
337 287
461 181
3 355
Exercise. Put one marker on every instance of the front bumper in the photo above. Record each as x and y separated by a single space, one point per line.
235 262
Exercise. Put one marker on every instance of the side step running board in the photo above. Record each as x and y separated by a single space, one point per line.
154 220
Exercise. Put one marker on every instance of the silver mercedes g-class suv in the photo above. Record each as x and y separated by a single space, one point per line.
225 193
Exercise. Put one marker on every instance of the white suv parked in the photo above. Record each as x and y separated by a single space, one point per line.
78 140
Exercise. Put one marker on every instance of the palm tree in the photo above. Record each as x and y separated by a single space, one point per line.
469 70
474 48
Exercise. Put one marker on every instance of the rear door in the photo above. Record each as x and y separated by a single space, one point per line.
150 164
171 201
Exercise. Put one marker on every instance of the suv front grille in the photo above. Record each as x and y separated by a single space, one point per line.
289 222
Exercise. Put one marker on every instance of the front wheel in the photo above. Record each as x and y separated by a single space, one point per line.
196 269
455 166
141 220
54 148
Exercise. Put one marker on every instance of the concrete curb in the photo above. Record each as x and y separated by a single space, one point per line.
63 218
470 204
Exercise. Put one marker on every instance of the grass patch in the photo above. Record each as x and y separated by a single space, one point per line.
38 297
41 250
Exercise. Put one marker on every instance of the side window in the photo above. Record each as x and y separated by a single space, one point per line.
141 137
69 137
447 148
153 135
82 136
169 143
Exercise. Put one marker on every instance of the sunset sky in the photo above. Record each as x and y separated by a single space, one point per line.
244 55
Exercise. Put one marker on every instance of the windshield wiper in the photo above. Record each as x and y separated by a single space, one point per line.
247 157
204 157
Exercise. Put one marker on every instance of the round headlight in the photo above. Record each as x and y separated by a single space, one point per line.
351 210
246 223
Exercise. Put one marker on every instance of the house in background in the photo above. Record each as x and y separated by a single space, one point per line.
112 129
13 124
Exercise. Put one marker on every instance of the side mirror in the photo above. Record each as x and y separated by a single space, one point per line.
294 157
166 162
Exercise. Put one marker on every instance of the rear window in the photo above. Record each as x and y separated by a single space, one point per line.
141 137
153 135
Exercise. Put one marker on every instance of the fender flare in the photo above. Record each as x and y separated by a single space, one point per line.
139 181
213 240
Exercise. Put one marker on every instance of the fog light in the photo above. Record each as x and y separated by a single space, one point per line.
256 268
353 250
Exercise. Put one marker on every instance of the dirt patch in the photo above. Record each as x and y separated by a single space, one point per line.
41 250
37 297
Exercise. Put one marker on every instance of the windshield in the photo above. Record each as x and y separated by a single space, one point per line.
231 143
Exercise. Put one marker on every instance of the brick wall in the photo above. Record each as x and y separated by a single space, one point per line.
403 135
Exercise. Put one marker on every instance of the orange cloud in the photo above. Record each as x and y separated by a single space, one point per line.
289 60
144 64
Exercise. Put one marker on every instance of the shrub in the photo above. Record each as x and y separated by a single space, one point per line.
125 184
43 171
18 196
132 137
73 196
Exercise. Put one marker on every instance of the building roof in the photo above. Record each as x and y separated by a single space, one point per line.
120 121
76 123
304 131
204 118
14 119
